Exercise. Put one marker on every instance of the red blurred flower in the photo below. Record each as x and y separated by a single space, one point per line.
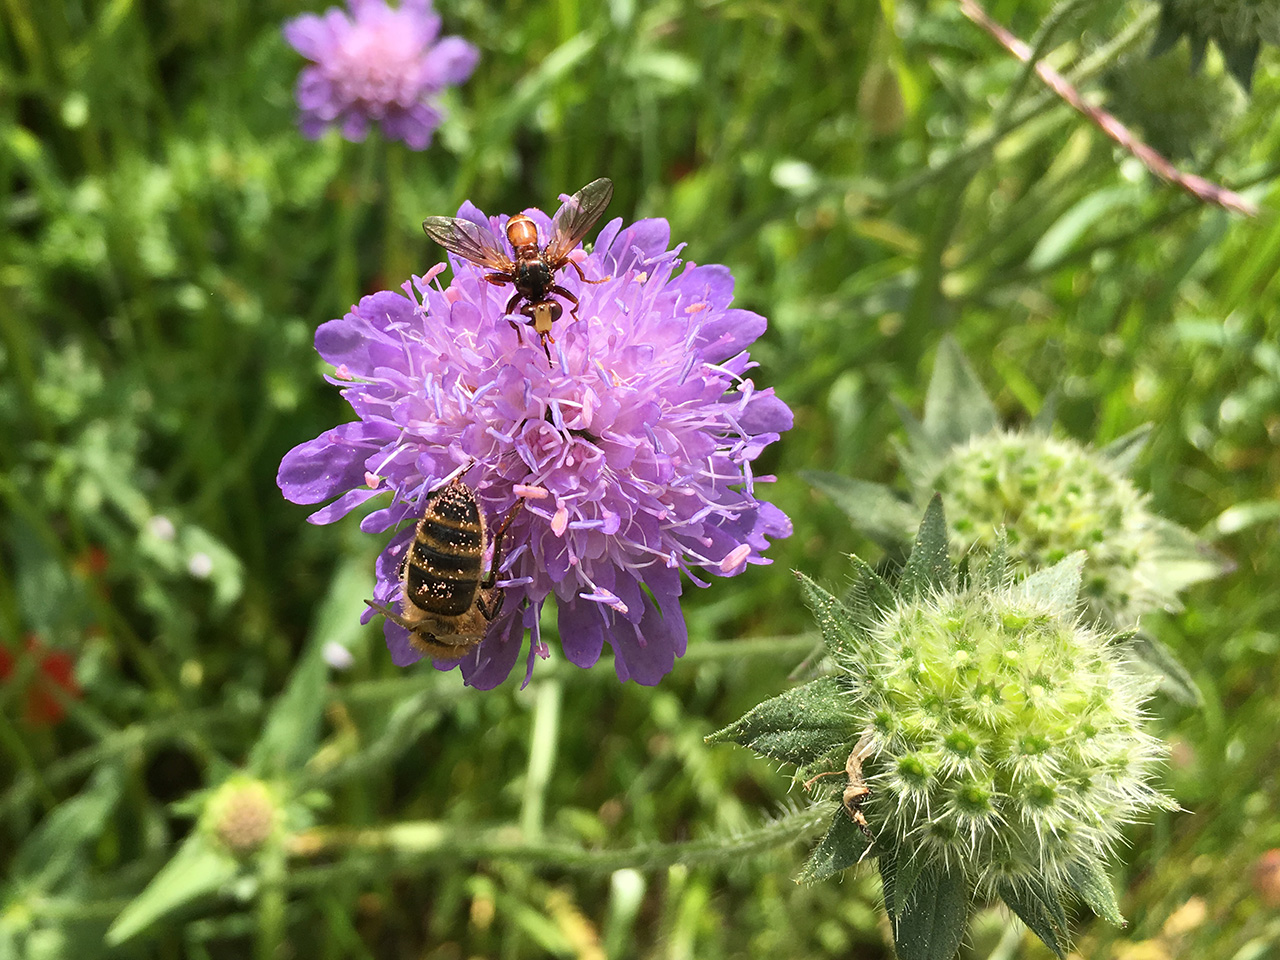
54 670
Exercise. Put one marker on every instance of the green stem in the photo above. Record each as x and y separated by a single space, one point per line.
419 842
542 755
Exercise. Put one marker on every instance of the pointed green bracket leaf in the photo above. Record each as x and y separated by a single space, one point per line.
799 727
872 591
888 863
931 925
842 847
929 567
1124 451
1059 584
872 507
198 869
956 406
835 620
1091 884
1175 680
1040 910
997 571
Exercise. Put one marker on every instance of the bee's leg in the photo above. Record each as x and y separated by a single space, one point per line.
583 277
489 603
562 292
498 279
488 582
390 614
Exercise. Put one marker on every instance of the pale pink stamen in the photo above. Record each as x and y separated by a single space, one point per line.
560 522
530 492
735 556
371 480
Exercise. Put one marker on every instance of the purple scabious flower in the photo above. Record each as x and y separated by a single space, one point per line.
632 451
379 64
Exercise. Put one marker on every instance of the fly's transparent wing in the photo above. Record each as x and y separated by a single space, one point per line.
469 241
578 215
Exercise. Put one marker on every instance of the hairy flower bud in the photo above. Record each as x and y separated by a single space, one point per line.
243 814
988 742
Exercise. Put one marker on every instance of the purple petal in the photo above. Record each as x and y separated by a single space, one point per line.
403 653
310 35
646 652
765 413
343 505
729 334
451 61
582 627
332 462
639 242
491 662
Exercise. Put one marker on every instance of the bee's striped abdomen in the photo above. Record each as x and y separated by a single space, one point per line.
442 573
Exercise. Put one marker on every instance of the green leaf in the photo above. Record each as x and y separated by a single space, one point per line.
1059 584
873 508
1061 237
292 729
835 620
1124 451
888 863
1157 657
929 567
1040 910
54 849
931 924
956 406
997 571
842 847
799 727
1090 883
1242 516
1240 59
870 593
196 870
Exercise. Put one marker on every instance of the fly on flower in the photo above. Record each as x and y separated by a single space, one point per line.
447 604
534 267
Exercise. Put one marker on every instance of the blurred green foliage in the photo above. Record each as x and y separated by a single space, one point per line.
875 175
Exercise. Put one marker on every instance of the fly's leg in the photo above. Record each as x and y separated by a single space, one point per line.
583 277
562 292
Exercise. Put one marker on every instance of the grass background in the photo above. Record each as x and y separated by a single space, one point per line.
875 175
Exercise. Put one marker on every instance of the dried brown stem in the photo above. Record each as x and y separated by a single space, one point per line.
1198 187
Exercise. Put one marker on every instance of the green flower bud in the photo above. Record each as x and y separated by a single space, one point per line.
1237 27
243 814
1054 497
978 737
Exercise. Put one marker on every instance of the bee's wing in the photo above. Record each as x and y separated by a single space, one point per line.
578 215
469 241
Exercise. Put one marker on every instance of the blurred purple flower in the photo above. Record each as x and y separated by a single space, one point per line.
380 64
632 451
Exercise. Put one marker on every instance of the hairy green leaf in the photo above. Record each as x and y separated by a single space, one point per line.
1040 910
930 926
1157 657
1059 584
956 406
872 507
797 727
929 567
1090 883
834 619
843 846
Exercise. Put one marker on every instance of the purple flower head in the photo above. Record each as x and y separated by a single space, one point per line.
379 63
632 450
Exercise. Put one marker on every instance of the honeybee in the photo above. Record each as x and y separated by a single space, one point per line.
856 790
534 268
446 602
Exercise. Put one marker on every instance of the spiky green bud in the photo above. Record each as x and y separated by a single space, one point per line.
992 741
1237 27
